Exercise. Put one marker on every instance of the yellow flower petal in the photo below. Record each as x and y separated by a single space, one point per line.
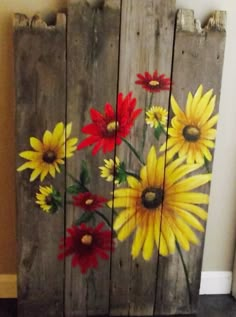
190 183
138 241
36 144
163 246
185 229
35 174
190 219
149 241
123 217
30 155
151 166
127 229
47 138
168 234
127 192
196 198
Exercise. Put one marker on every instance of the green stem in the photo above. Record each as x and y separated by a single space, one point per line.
134 151
162 128
206 165
69 202
104 218
185 272
132 174
145 125
78 182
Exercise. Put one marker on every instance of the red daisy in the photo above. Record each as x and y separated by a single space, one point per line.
153 83
86 244
109 128
88 201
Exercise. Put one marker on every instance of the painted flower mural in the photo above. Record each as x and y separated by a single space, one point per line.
159 205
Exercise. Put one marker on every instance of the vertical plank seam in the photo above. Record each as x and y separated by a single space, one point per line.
114 156
165 154
65 178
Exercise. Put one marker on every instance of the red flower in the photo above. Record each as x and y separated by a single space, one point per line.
109 128
88 201
86 244
153 83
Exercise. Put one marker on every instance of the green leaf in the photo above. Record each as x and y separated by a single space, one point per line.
157 132
74 189
84 175
85 217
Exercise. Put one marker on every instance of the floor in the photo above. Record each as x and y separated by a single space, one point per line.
209 306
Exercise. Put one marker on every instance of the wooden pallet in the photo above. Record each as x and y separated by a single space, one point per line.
63 71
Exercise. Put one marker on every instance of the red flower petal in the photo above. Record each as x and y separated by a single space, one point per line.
86 255
87 142
104 131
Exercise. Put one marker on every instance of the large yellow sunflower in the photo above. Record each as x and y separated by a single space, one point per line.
49 153
161 211
192 133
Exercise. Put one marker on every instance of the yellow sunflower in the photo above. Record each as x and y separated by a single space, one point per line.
48 199
49 153
192 133
155 116
159 210
108 170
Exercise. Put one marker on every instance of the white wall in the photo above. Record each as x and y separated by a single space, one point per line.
221 227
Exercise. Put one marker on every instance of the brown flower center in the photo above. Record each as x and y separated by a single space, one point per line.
87 239
191 133
112 127
89 202
152 197
154 83
49 157
49 200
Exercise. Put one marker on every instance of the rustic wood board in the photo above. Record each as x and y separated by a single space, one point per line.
146 45
198 59
40 67
93 47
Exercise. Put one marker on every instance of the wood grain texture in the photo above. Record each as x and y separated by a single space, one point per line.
40 69
146 45
198 59
93 47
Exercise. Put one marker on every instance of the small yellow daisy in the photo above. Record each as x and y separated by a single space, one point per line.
157 116
48 199
110 169
49 153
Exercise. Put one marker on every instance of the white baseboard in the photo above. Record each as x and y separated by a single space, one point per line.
213 283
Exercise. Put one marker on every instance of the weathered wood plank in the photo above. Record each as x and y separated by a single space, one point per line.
198 59
146 45
40 68
93 47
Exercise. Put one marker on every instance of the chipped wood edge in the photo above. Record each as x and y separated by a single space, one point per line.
186 22
8 286
36 22
98 4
